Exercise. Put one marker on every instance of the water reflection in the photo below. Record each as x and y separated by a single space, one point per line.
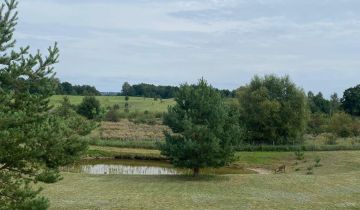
139 167
123 167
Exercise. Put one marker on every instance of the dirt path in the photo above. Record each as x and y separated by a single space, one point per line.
260 170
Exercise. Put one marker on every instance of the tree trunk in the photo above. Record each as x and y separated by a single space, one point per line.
196 172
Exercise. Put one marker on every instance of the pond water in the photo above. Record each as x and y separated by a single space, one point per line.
140 167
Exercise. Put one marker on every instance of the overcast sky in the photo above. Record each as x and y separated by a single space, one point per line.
107 42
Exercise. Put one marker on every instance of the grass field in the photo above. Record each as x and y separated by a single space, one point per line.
334 185
139 104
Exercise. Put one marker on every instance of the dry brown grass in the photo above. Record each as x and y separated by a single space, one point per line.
127 130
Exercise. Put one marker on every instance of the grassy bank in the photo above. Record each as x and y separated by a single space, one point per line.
334 185
332 161
152 144
123 153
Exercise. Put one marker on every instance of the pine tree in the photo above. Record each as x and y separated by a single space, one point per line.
34 141
90 107
204 131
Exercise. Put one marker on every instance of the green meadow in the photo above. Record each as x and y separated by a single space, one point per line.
334 185
139 104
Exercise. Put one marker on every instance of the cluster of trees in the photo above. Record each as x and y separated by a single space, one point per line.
205 130
336 116
273 110
270 110
34 141
164 92
148 90
66 88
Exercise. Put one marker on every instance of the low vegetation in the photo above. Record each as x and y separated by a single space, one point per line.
335 185
127 130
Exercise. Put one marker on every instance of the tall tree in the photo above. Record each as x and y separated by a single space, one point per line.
34 142
273 110
318 104
351 101
334 103
204 130
126 89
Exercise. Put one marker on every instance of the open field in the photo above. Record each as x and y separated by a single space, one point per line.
334 185
140 104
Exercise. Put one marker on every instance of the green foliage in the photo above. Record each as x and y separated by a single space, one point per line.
66 109
204 130
335 105
331 139
351 101
33 138
273 110
318 123
299 155
49 176
318 104
317 162
310 170
89 108
344 125
113 115
148 90
66 88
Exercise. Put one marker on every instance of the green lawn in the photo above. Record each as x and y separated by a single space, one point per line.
335 185
136 103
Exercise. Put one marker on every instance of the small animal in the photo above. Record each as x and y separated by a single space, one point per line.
280 169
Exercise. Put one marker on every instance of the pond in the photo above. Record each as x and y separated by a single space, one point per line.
140 167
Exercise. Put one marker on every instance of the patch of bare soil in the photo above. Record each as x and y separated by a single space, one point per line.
260 170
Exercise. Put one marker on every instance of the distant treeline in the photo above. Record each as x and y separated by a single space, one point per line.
153 91
66 88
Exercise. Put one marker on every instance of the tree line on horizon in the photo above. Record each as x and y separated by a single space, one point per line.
160 91
66 88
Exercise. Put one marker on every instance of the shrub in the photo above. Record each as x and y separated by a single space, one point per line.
317 123
330 139
89 108
116 107
299 155
113 115
343 125
317 162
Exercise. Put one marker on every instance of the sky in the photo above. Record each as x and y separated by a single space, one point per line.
168 42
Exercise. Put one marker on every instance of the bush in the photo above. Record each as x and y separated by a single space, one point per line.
299 155
317 123
89 108
113 115
310 170
343 125
330 139
317 162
